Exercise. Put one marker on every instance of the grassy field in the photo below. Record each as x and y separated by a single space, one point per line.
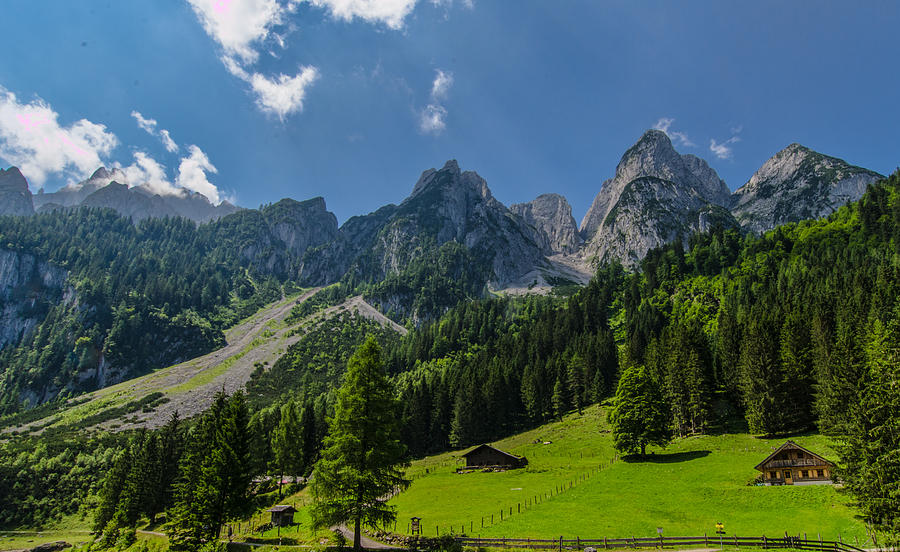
684 489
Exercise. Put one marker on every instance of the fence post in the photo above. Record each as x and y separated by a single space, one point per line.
560 543
706 540
605 544
765 543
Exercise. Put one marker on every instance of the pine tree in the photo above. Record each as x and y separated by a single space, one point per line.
639 415
762 379
362 460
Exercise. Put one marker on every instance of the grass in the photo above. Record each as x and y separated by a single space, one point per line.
685 489
24 540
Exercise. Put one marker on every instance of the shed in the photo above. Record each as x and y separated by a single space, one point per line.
792 464
484 456
282 515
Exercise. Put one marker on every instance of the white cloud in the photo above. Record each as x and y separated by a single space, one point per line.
240 26
283 95
432 119
681 138
389 12
147 172
192 174
167 141
723 150
32 139
149 125
441 85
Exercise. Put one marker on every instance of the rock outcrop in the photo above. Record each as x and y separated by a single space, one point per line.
551 216
656 196
798 183
15 197
28 286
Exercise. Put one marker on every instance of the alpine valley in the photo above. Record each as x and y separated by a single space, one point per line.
101 282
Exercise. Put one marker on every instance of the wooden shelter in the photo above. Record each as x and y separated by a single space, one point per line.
792 464
486 456
282 515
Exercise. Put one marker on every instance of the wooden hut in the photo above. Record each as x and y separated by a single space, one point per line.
486 456
282 515
792 464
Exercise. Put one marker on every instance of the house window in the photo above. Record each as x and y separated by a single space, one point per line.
805 473
773 475
820 473
787 474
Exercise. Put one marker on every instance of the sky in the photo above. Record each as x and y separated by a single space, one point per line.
251 101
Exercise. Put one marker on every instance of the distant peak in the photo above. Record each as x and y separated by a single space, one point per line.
654 135
12 178
451 165
103 173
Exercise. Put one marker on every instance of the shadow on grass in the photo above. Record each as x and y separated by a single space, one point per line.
665 458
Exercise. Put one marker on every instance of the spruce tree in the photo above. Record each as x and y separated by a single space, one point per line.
639 415
362 460
870 463
287 443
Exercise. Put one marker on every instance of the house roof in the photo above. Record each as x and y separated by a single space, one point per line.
479 447
282 508
790 445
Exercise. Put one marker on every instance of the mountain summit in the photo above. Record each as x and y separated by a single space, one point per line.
798 183
656 196
15 197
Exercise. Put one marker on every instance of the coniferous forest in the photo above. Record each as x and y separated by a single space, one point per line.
795 330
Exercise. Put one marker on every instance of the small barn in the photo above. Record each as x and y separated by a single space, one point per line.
282 515
792 464
486 456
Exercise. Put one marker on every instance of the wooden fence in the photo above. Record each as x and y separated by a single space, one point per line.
714 541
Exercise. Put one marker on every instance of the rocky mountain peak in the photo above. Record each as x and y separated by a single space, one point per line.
551 216
798 183
13 180
15 197
450 182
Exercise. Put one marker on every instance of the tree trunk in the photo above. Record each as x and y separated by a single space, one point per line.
280 482
643 450
357 544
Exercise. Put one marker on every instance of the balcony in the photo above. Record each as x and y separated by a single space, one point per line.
793 463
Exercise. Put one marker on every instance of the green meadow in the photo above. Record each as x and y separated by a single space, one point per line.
575 486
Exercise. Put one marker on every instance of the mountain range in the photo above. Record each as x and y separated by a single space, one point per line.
656 196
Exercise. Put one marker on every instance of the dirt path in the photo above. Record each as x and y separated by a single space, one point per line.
364 541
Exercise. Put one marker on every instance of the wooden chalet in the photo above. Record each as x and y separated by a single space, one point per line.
792 464
282 515
486 456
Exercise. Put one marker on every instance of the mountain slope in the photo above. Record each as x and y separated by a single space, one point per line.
798 183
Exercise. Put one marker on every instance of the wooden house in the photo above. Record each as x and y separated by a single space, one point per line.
792 464
486 456
282 515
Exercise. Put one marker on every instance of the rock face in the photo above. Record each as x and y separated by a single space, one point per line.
795 184
301 224
656 196
445 205
27 287
105 188
551 216
15 197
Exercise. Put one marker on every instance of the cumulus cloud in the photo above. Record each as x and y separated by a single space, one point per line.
240 26
192 174
681 138
192 170
723 150
388 12
433 117
441 85
280 96
167 141
32 139
149 125
147 172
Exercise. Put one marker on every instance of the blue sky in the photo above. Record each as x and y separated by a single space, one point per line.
353 99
